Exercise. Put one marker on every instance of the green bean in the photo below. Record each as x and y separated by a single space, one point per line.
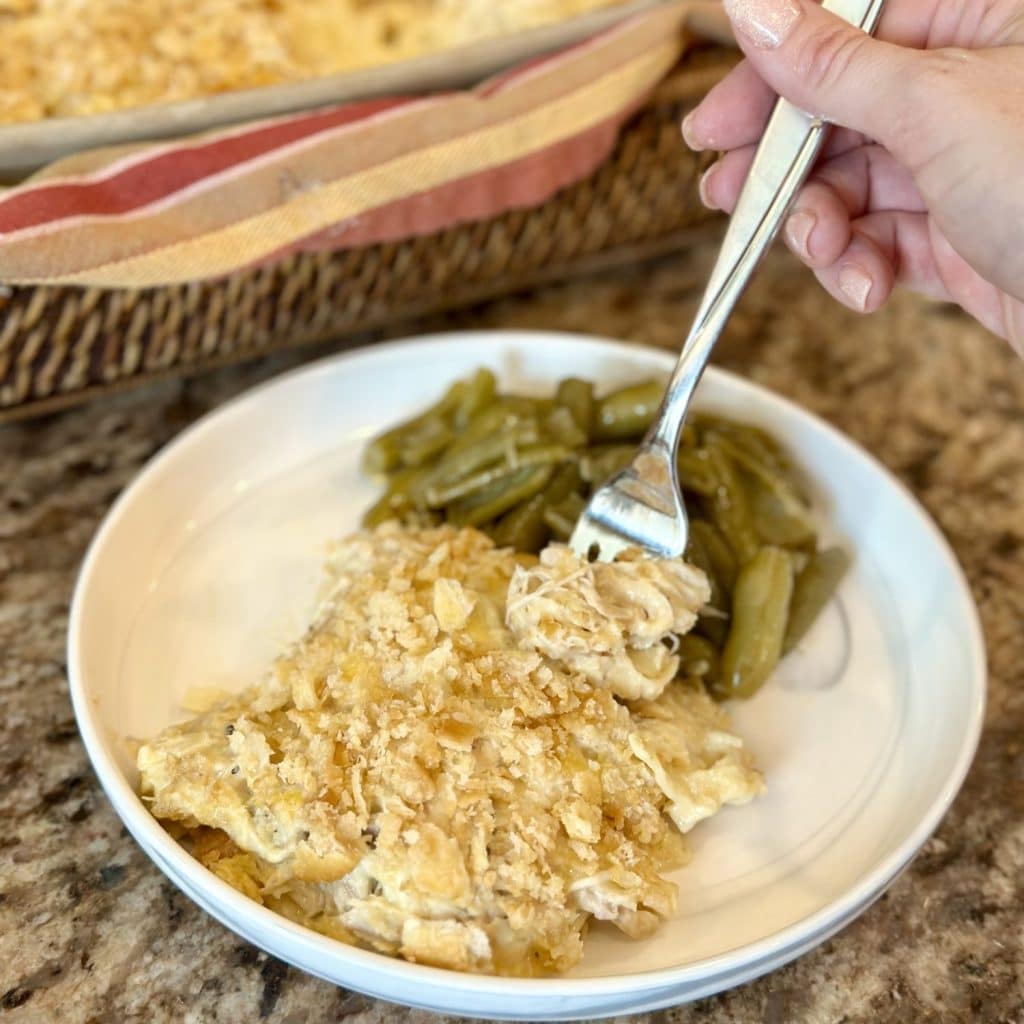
719 554
395 502
386 451
457 463
380 512
781 516
601 463
439 496
561 518
760 609
567 480
500 495
777 522
759 446
420 447
495 419
695 471
757 442
627 413
523 528
563 428
578 397
728 508
699 657
815 584
713 626
479 392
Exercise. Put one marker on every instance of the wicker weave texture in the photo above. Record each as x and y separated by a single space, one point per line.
59 345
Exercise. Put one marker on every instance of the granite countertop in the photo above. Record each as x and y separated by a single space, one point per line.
91 931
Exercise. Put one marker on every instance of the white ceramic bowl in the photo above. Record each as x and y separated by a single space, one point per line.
207 565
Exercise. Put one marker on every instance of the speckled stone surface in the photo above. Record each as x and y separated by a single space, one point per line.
91 931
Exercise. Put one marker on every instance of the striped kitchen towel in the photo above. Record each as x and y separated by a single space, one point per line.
361 173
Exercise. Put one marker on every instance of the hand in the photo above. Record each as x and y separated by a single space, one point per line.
923 183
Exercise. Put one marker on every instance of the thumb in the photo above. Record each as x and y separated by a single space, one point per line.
825 65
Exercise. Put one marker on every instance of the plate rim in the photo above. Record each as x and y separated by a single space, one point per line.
170 857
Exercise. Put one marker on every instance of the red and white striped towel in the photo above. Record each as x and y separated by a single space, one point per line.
361 173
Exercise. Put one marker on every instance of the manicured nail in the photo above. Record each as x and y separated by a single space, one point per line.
689 137
702 187
856 284
798 230
766 23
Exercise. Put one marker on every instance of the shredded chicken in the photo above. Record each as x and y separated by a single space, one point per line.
613 622
440 770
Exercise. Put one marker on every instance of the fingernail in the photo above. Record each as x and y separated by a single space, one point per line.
689 137
703 184
856 284
766 23
798 232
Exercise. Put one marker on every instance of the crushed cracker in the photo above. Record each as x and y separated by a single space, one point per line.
443 771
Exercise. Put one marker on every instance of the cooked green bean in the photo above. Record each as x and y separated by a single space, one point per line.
395 502
500 495
760 609
561 518
719 554
562 426
695 471
420 447
523 527
439 496
457 463
713 622
387 451
781 516
699 657
627 413
759 446
728 508
757 442
601 463
578 397
566 481
480 391
777 521
815 584
495 419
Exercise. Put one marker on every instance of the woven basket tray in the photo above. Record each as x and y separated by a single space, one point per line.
59 345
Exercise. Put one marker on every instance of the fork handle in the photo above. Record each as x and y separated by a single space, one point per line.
784 158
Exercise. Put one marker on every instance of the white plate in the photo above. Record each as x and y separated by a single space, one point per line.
208 564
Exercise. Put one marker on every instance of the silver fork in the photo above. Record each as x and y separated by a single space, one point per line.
642 506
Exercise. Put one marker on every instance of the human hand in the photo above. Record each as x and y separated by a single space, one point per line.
923 183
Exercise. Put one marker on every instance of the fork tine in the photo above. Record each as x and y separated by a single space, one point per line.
590 534
640 507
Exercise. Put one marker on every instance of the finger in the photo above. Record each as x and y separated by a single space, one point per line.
869 178
732 114
821 63
735 111
927 263
817 229
720 186
862 278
